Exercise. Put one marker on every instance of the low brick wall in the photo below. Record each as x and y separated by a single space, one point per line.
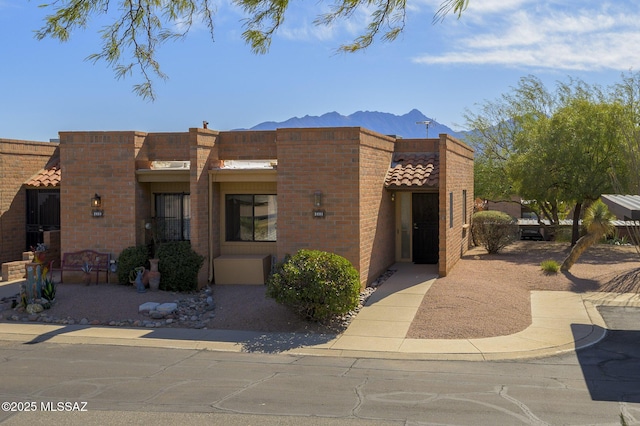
14 270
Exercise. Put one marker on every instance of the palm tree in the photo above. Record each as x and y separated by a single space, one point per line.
597 220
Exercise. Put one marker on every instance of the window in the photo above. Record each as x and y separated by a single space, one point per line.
451 210
173 217
464 206
251 217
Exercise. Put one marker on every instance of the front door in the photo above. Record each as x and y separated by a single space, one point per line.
425 228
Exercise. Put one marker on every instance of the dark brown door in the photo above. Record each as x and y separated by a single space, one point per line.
425 228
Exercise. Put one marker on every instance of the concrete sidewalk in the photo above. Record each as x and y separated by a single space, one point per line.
561 322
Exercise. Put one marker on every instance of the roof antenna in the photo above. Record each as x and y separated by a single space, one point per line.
426 123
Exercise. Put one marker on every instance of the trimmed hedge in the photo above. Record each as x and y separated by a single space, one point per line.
129 259
317 285
494 230
179 266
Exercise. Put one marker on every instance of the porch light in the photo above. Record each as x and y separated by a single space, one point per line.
96 202
317 198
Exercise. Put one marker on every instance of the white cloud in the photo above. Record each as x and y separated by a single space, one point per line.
299 24
596 36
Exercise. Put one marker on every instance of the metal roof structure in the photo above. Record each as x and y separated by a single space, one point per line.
624 207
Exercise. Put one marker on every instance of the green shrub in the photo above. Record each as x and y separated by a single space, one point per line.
494 230
49 289
550 266
317 285
179 266
563 234
129 259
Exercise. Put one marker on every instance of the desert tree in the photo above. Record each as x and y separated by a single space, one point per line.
597 222
561 148
586 143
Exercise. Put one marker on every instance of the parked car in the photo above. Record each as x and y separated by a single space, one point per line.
531 234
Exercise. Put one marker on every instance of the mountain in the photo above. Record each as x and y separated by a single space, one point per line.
388 124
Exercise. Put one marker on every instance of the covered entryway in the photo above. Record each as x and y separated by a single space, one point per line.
414 180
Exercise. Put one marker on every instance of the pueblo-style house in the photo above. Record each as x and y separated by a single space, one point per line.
244 199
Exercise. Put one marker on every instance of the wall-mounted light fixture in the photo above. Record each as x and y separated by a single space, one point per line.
96 202
96 206
393 196
317 203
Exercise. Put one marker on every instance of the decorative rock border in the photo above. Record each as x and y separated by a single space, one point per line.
191 312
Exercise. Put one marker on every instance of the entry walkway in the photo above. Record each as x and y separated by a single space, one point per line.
561 322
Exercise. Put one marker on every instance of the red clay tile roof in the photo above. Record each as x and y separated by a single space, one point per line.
47 177
410 169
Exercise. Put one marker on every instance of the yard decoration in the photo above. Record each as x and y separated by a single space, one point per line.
129 259
153 274
38 292
86 270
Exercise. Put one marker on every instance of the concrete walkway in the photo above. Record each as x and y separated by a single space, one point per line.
561 322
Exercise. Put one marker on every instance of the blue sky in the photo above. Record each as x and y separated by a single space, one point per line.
442 69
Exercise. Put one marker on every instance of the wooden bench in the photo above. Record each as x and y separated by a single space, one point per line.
74 261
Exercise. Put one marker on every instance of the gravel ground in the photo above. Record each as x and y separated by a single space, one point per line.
484 295
489 295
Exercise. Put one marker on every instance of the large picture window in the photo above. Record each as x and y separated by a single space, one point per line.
251 217
173 216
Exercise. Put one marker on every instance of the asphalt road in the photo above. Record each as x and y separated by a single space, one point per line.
168 386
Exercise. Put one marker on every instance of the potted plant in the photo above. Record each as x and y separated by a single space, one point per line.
86 269
39 253
153 275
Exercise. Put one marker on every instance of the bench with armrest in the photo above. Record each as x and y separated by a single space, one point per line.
75 261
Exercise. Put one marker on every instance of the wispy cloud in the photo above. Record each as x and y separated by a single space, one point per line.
587 35
300 24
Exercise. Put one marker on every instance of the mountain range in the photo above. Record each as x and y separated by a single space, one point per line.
410 125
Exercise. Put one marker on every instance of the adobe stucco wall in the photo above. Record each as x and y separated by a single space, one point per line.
456 176
19 161
513 208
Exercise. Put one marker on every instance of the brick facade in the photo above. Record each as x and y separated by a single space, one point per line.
19 161
346 165
456 179
102 163
377 218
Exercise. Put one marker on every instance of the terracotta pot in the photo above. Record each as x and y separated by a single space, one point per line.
154 275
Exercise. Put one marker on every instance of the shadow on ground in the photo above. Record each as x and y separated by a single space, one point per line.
248 341
611 368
